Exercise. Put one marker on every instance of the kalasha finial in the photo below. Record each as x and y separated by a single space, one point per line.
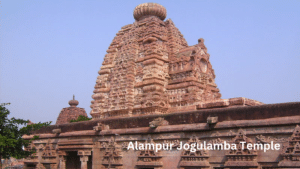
73 103
149 9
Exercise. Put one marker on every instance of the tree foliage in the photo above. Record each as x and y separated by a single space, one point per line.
80 118
11 131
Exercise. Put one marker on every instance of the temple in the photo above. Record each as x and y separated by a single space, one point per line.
154 89
70 113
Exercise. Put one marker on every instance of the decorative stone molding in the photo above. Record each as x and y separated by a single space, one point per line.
149 158
101 127
150 69
199 158
158 122
56 131
212 120
112 154
241 158
291 155
264 139
84 153
239 101
34 156
174 143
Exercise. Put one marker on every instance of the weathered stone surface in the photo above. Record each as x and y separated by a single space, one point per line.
291 155
153 88
158 122
70 113
150 69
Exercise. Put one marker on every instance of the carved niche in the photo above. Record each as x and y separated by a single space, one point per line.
199 158
49 154
148 158
291 155
241 158
112 155
33 158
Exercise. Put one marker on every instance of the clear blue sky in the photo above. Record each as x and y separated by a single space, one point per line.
51 50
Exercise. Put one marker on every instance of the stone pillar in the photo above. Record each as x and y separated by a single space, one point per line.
62 162
84 159
97 156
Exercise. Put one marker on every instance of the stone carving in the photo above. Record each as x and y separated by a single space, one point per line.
101 127
143 10
216 134
56 131
231 133
150 69
216 141
240 101
84 153
34 155
241 158
291 155
112 155
149 158
264 139
198 158
212 120
125 145
48 151
174 143
158 122
48 156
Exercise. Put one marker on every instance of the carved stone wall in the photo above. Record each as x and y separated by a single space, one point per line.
291 155
150 69
113 150
241 157
198 158
154 88
112 157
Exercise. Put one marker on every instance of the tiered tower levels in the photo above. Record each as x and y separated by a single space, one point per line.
150 69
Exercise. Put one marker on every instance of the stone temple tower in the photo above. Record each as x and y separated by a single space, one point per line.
154 89
150 69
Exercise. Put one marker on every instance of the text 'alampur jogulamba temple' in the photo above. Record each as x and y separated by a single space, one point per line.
150 69
153 89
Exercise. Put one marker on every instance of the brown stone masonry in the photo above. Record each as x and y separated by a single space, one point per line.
153 89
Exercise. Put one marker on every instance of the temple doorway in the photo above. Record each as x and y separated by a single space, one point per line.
73 160
90 162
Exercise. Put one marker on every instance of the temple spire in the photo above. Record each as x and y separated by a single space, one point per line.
73 103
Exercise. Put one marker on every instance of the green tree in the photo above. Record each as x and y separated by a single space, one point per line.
11 131
80 118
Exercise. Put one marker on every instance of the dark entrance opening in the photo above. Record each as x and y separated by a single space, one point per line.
31 166
73 160
89 163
